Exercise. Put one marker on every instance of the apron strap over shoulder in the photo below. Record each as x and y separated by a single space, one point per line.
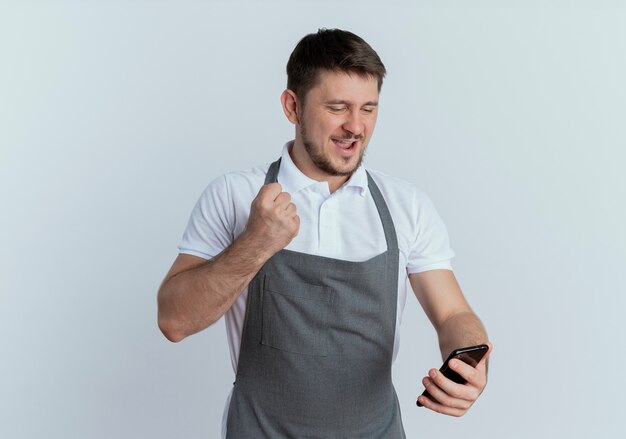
272 172
383 211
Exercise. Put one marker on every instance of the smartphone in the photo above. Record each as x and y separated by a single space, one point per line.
470 355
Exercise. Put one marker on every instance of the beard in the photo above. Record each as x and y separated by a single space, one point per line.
322 161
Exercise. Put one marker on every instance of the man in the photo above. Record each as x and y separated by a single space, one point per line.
307 258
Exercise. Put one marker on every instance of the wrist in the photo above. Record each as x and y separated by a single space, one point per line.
255 248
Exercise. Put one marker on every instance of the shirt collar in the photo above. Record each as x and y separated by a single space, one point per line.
293 180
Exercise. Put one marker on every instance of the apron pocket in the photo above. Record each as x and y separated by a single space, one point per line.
296 316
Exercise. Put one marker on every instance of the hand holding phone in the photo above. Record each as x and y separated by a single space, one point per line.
470 355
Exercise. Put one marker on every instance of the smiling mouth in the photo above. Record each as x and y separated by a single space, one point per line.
345 144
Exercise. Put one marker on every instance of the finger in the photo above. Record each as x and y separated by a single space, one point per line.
282 200
271 190
477 375
440 408
455 390
469 373
440 396
291 210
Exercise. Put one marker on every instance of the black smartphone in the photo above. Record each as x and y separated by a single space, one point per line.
470 355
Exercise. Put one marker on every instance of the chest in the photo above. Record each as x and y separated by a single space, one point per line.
343 225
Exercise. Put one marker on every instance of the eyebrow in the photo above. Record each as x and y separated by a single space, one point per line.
343 102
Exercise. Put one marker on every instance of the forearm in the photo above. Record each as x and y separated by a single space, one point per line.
192 300
460 330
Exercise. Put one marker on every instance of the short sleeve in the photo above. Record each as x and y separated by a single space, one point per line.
210 227
430 249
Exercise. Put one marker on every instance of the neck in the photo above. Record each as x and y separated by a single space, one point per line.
303 162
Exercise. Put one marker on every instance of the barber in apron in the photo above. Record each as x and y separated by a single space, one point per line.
317 344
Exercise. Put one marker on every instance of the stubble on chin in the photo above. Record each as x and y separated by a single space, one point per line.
322 162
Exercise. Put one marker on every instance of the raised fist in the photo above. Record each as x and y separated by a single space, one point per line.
273 220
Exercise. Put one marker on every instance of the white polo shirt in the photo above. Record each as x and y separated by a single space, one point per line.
341 225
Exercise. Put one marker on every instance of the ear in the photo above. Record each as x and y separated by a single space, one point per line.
289 100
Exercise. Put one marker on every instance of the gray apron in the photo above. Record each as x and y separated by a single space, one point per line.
317 345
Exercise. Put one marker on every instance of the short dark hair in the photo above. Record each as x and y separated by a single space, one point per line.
334 50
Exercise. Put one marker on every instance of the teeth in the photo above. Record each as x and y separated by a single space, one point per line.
344 142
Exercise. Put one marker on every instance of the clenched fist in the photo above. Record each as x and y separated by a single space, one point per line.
273 220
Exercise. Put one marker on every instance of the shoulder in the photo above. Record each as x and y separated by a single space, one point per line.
398 191
410 207
221 211
236 184
229 193
422 235
255 174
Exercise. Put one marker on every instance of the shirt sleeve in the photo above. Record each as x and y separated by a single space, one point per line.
431 248
210 227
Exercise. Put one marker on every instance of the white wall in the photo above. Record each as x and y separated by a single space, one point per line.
115 115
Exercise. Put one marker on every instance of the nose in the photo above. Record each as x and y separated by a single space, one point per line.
354 124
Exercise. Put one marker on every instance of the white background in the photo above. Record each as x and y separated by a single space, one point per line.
115 115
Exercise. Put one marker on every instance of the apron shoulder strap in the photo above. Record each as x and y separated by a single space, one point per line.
272 172
383 212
